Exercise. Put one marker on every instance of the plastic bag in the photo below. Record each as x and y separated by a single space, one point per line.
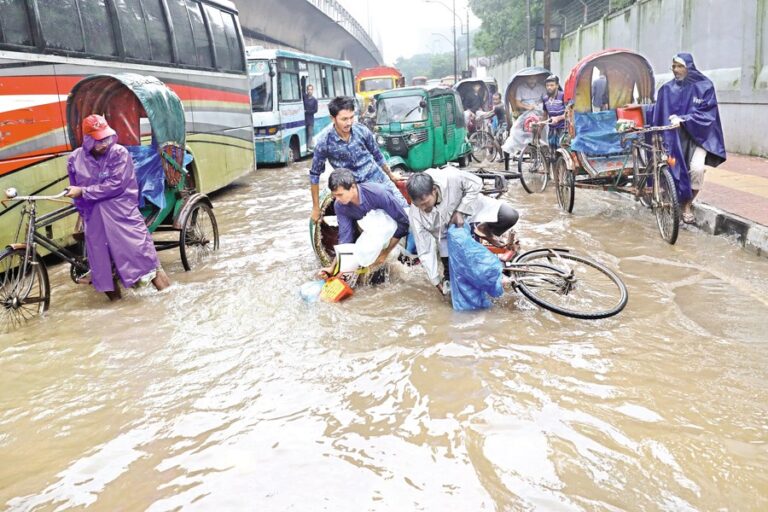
378 229
475 271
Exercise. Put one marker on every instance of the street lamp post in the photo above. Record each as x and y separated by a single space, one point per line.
455 47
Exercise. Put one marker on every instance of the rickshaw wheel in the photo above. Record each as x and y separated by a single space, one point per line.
23 294
199 236
564 185
667 209
533 169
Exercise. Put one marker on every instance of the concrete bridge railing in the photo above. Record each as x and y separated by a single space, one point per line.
336 12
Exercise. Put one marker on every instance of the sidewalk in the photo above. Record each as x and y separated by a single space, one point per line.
734 201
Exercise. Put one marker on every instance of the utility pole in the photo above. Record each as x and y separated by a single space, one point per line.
455 48
468 38
547 23
528 33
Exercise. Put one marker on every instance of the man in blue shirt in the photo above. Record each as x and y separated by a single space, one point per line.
354 200
554 109
351 146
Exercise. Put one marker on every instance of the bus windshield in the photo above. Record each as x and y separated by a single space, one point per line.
375 84
403 109
261 85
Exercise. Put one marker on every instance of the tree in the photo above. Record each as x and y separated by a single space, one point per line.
425 64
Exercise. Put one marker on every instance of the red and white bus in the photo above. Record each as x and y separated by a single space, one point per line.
47 46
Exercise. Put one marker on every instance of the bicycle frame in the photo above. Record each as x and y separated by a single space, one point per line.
658 157
33 237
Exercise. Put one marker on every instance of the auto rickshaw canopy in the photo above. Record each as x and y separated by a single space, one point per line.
628 74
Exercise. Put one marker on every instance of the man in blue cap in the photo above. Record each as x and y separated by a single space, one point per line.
689 101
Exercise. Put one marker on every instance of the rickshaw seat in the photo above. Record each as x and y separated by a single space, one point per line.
596 134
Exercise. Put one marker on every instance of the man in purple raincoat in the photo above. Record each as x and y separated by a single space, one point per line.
106 194
689 101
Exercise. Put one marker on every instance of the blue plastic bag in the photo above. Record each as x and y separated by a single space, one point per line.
475 271
149 175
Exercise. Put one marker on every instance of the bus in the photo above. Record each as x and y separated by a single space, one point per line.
279 80
371 81
419 80
46 46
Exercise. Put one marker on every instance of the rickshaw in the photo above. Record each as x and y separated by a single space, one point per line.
594 155
513 113
149 121
418 128
474 93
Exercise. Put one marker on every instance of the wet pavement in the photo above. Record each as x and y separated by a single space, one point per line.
227 392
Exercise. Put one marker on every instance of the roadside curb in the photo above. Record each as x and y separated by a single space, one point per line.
750 235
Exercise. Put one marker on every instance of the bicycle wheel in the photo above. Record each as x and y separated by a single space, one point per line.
667 208
564 185
24 289
533 169
568 284
483 148
199 236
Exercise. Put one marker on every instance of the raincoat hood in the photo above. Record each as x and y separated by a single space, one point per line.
694 75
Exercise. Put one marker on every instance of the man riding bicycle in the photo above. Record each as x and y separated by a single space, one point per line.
554 109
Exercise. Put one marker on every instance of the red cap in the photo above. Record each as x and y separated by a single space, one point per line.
96 126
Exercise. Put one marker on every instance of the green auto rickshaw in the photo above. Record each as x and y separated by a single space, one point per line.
418 128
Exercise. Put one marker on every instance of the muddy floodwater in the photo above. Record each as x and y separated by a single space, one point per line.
227 392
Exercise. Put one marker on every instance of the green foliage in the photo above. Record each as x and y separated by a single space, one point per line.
426 64
503 30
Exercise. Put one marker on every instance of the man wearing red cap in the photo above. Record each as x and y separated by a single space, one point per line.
106 194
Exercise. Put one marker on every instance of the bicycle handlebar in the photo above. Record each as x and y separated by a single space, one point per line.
650 129
12 195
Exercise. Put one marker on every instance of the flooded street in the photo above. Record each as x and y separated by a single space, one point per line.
227 392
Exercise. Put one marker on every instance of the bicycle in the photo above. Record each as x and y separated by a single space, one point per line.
567 284
25 290
483 142
652 182
535 160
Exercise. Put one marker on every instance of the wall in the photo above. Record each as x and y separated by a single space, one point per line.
728 40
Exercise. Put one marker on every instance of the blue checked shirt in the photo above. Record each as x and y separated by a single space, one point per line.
361 155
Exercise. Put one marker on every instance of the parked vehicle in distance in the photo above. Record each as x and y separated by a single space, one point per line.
278 81
371 81
419 80
421 127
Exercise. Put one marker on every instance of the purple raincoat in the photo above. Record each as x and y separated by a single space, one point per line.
115 232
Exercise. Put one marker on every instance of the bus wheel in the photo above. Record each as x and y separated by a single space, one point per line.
294 154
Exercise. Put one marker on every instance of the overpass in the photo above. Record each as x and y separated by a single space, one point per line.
320 27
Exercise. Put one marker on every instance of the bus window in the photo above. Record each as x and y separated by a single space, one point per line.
202 45
159 43
261 85
61 29
228 50
96 22
14 24
183 32
289 87
348 82
338 82
135 38
328 81
236 52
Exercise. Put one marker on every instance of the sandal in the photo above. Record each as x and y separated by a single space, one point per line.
491 239
689 218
